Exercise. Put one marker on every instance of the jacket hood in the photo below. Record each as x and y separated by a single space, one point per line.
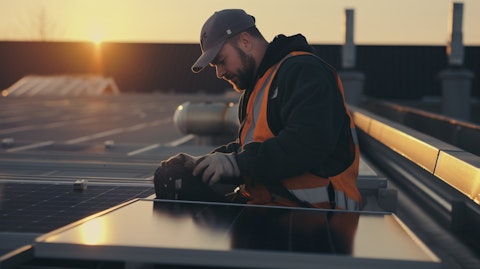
281 46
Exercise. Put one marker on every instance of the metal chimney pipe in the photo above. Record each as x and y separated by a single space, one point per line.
348 48
455 42
456 80
351 78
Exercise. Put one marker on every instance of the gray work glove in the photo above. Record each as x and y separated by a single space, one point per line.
215 166
187 160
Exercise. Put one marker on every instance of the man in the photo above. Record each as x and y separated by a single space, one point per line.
296 144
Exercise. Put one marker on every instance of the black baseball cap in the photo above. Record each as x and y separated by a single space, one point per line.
216 30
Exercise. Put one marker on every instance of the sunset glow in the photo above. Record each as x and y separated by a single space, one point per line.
179 21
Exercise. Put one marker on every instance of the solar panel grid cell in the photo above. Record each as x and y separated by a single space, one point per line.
39 208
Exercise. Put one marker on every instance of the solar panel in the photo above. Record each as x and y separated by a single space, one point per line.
40 208
63 85
241 236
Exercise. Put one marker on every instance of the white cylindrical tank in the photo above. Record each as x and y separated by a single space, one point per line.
207 118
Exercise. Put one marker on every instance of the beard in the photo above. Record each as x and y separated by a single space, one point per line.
245 76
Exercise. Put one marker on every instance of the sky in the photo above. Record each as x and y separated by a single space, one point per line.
383 22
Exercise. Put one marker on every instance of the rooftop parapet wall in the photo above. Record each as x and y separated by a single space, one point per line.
427 118
406 72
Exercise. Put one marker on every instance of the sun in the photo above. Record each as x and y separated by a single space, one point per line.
97 36
97 39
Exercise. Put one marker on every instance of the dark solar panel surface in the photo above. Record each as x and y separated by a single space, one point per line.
227 235
40 208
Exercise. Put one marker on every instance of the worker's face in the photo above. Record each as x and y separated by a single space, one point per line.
235 66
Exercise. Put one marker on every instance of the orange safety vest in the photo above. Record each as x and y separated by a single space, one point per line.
306 188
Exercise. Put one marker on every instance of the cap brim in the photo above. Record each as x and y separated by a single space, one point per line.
206 58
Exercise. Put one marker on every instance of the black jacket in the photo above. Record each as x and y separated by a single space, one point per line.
308 118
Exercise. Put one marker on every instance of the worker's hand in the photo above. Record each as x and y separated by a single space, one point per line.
180 159
215 166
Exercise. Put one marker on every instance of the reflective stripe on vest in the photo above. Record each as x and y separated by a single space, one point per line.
307 188
249 131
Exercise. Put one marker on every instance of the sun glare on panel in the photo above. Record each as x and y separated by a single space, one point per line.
94 232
